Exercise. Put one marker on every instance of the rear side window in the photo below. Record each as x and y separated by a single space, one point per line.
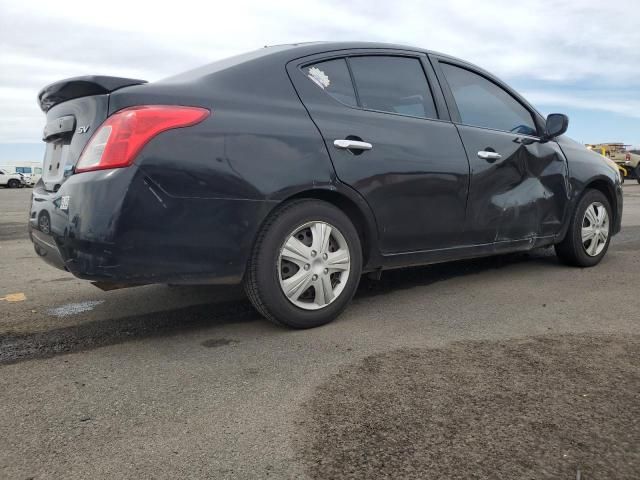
393 84
333 77
484 104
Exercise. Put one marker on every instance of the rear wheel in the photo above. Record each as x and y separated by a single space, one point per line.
13 183
305 266
44 222
589 234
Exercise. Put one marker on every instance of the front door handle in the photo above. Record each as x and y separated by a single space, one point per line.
352 145
489 156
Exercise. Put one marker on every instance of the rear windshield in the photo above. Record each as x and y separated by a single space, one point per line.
224 64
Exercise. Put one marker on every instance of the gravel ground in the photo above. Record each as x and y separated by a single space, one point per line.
544 408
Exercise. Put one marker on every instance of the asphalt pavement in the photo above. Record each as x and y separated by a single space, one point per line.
511 367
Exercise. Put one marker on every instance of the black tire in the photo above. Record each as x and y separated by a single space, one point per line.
262 278
638 173
44 222
571 250
13 183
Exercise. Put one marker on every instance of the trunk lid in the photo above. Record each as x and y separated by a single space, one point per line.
75 109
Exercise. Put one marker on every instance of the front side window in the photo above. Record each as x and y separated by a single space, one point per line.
333 77
482 103
393 84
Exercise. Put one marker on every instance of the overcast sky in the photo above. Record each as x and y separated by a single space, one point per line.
580 57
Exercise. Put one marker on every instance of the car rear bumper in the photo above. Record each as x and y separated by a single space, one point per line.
118 226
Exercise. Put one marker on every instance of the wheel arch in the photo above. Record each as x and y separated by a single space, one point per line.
601 184
608 190
358 212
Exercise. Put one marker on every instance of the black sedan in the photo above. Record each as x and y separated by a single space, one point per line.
297 168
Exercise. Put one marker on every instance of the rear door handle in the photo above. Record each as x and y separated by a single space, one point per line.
490 156
352 145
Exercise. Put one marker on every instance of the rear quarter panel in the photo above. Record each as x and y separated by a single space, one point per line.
258 143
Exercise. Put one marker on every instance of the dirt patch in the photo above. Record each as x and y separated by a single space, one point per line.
538 408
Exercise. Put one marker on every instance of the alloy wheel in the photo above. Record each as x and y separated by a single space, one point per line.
595 229
313 265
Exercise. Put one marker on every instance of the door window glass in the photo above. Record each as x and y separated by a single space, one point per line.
393 84
333 77
484 104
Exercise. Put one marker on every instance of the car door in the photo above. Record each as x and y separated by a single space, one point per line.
390 140
519 183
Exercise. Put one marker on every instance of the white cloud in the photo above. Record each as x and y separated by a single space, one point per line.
602 101
554 42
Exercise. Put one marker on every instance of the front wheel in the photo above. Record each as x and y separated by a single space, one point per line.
589 234
305 266
13 183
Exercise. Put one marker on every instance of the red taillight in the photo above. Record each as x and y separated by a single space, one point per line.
121 137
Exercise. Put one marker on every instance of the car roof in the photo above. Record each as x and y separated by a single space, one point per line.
291 51
323 46
284 53
311 48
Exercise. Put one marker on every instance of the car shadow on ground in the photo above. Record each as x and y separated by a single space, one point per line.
17 347
407 278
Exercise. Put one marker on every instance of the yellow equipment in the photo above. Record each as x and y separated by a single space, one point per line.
628 163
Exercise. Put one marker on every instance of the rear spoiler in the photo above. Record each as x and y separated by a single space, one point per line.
76 87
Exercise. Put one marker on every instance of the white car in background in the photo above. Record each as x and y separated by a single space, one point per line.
11 180
33 172
30 171
28 179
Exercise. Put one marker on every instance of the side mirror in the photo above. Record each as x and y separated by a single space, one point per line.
557 124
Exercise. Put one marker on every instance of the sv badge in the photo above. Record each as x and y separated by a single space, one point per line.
83 129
